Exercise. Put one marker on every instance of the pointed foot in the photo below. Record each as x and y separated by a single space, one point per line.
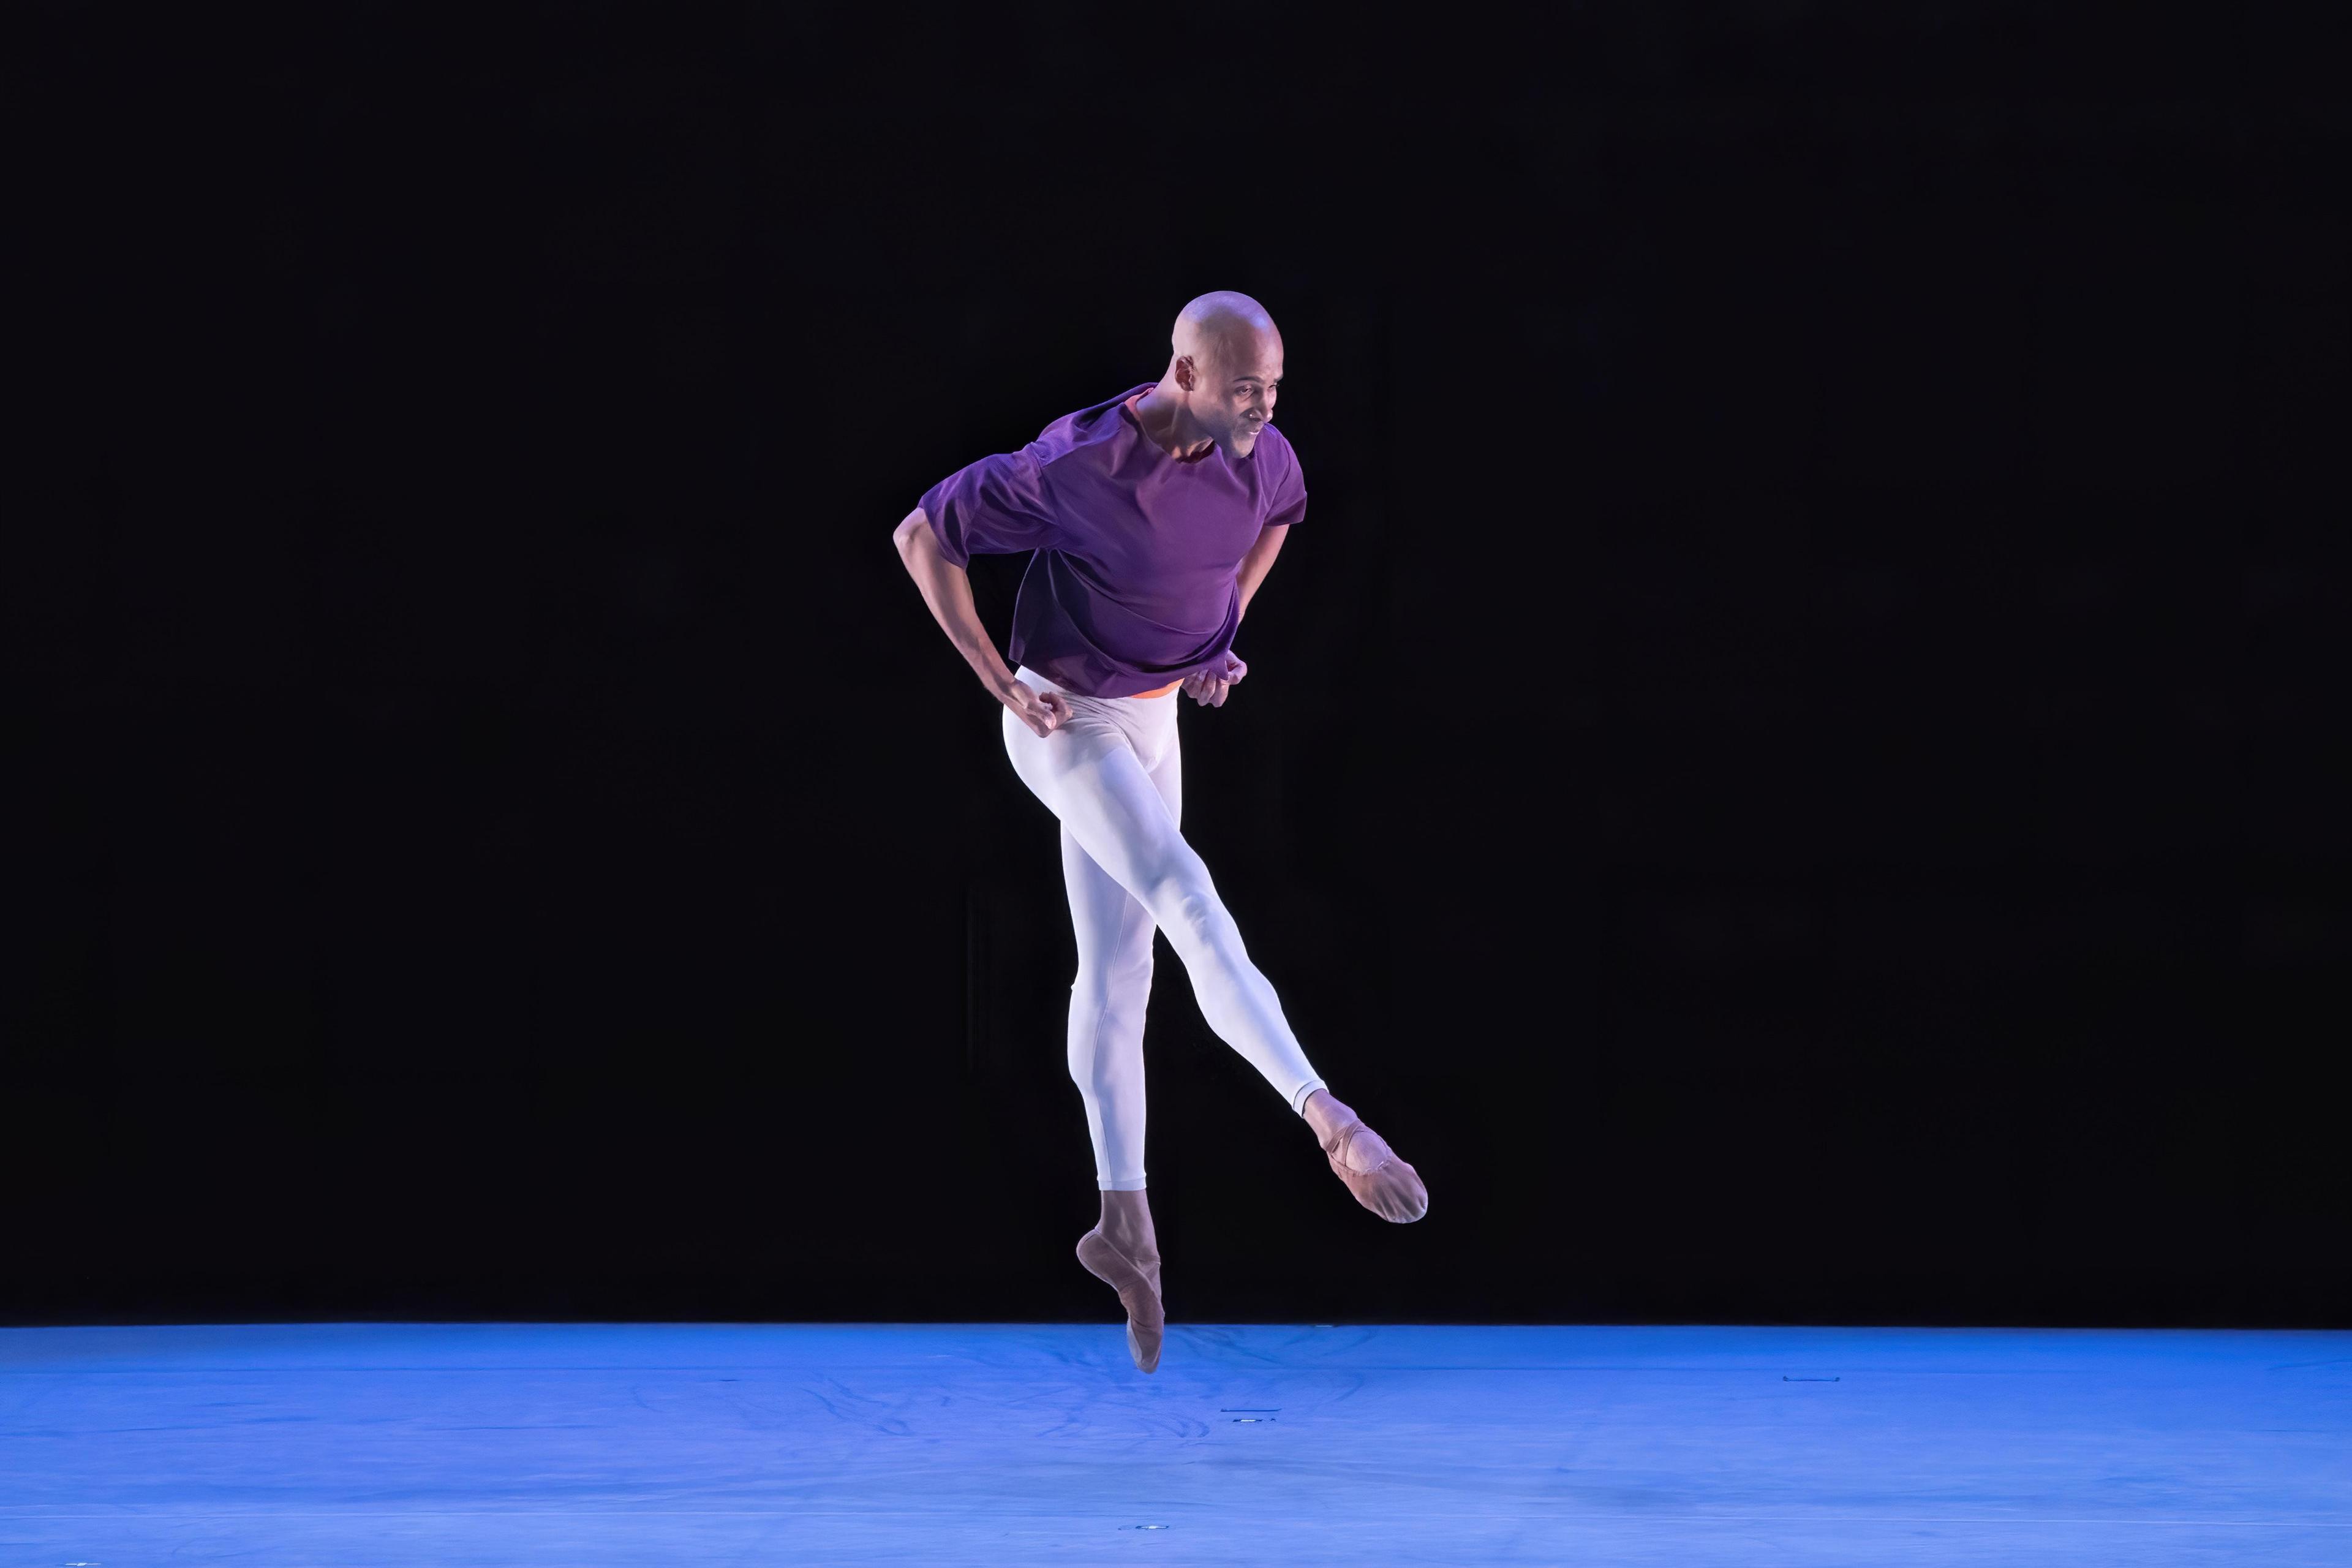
1381 1181
1137 1281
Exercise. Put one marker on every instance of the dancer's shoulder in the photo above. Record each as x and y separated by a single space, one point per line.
1094 428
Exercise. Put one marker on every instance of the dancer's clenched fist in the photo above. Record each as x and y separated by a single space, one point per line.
1209 690
1042 712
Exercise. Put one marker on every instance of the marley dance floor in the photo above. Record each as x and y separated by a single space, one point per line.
449 1444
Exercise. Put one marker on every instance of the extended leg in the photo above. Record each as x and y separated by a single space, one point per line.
1110 805
1359 1157
1126 822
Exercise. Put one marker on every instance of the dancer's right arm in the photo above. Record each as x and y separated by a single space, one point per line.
946 589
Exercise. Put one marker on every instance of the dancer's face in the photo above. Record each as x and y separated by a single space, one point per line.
1233 399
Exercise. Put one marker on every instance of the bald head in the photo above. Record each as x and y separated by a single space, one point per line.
1224 330
1224 371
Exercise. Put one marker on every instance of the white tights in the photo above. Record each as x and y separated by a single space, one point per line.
1113 773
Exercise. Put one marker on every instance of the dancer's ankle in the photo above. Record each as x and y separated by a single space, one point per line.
1126 1223
1326 1113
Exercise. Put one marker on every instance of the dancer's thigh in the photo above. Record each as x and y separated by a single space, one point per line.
1110 806
1112 929
1047 762
1168 778
1110 923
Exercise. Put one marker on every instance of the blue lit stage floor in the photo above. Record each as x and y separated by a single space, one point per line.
452 1444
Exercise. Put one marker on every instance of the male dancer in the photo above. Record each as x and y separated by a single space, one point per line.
1154 517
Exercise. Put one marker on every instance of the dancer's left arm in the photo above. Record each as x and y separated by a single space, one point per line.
1209 690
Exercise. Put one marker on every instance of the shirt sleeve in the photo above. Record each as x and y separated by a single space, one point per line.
995 507
1289 500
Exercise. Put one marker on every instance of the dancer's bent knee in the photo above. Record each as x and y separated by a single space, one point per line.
1199 925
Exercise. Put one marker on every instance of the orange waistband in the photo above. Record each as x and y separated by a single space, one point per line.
1161 692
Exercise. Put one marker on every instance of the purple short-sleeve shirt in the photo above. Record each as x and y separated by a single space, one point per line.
1135 581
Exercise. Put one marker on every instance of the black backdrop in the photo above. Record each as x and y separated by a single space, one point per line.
1793 767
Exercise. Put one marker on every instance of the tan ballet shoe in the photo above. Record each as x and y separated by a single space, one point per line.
1146 1321
1391 1188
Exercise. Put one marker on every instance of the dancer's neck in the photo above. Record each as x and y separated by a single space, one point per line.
1162 414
